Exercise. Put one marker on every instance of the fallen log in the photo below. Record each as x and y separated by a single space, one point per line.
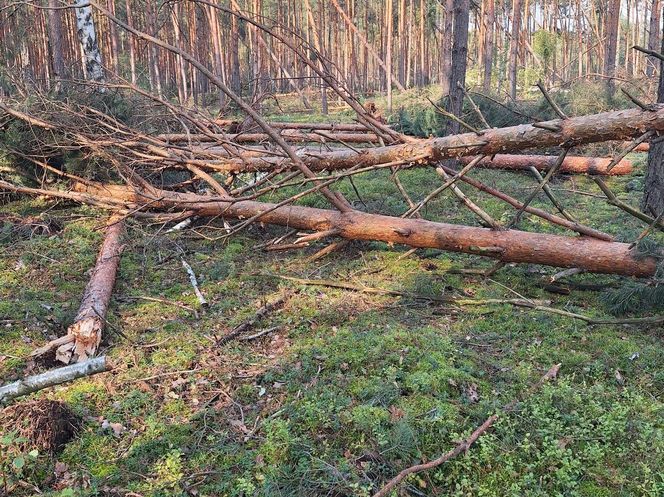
616 125
232 127
641 147
289 135
508 246
84 334
53 377
571 164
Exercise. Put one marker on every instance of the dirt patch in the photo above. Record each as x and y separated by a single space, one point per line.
47 425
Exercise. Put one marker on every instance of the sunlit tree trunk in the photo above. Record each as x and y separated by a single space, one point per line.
654 34
611 34
88 37
514 46
55 40
459 62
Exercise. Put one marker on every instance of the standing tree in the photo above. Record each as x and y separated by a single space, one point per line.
459 60
517 6
488 20
55 41
653 197
612 20
654 34
87 35
446 47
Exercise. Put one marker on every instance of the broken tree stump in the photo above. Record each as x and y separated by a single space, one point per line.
84 334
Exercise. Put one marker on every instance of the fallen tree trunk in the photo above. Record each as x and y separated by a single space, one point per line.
84 334
232 126
53 377
571 164
617 125
288 135
508 246
641 147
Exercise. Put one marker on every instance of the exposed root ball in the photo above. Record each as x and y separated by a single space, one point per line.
46 424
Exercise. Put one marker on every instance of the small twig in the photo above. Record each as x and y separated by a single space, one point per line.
647 51
260 314
443 187
564 274
614 200
635 143
259 334
162 301
474 106
550 173
550 194
546 126
647 231
521 302
636 101
464 445
451 116
194 283
472 206
552 103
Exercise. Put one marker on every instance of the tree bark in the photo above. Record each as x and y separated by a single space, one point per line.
654 34
457 82
653 198
56 40
508 246
487 51
446 46
514 46
616 125
612 21
571 164
88 37
51 378
294 136
85 332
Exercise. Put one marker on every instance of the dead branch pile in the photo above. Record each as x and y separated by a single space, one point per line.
137 156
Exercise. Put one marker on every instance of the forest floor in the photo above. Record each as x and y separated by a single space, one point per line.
349 387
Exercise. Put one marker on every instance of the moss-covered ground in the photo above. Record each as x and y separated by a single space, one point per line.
350 387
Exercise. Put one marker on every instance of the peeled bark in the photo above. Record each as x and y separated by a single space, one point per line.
616 125
571 164
88 37
507 246
51 378
85 332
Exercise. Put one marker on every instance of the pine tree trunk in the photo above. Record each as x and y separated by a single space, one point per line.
654 34
611 33
459 60
56 40
653 197
514 46
446 48
487 51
